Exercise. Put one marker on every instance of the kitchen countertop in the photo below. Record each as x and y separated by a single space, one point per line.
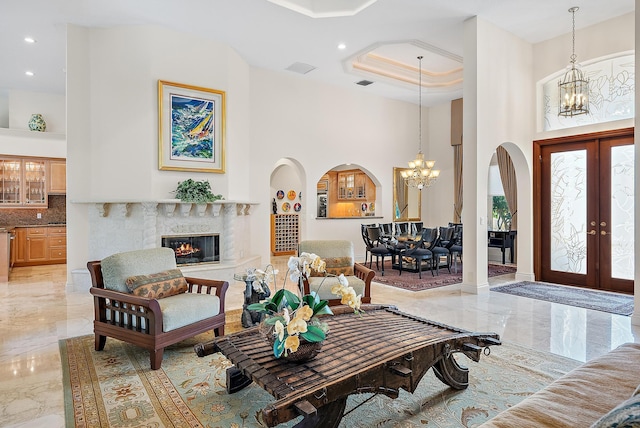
9 228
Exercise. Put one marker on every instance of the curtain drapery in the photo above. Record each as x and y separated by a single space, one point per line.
457 183
508 178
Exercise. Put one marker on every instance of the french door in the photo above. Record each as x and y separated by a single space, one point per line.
585 210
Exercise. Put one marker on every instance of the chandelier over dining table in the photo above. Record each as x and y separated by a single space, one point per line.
420 173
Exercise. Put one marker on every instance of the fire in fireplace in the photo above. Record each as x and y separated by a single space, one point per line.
193 249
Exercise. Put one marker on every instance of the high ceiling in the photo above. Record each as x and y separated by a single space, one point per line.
383 38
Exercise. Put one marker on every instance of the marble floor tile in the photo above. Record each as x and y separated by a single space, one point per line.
37 310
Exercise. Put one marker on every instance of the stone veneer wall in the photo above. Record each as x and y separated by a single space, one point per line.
125 226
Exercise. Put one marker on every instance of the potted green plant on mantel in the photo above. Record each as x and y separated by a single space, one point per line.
196 192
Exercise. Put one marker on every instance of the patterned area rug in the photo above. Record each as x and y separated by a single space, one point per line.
116 388
614 303
411 281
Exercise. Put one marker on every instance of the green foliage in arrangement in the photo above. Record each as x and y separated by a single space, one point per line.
196 191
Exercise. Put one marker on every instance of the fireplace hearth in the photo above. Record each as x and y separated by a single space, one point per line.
194 249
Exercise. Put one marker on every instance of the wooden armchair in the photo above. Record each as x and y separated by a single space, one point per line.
339 257
140 297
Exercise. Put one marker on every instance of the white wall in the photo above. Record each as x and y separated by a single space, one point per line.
494 114
113 137
112 112
22 104
113 116
599 40
28 143
437 200
321 126
4 108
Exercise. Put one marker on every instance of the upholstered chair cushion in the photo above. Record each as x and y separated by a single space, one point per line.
187 308
336 266
337 254
118 267
158 285
324 288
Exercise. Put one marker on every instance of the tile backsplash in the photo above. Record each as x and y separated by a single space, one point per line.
55 213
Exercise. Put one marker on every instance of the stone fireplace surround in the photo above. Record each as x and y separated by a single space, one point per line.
118 226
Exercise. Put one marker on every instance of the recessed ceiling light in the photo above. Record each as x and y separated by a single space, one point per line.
29 40
29 73
342 46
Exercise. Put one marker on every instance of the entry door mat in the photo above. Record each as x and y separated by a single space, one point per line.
115 388
613 303
410 280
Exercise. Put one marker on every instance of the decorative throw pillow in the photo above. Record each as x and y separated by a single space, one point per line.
336 266
626 414
157 285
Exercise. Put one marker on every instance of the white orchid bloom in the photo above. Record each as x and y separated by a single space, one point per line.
343 280
287 317
278 330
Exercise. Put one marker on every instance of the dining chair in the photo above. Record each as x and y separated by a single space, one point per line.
379 248
455 246
387 228
402 228
417 253
365 239
441 247
416 227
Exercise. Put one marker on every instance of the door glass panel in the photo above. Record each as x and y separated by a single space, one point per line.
569 211
622 207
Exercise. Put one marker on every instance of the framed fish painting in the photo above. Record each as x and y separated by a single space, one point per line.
191 128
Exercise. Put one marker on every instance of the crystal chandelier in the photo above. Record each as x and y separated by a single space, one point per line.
420 173
574 88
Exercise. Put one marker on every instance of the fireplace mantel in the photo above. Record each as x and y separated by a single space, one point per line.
117 225
170 207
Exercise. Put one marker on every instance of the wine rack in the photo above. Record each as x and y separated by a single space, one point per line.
285 234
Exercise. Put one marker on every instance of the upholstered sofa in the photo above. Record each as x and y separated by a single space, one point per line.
339 257
600 393
140 297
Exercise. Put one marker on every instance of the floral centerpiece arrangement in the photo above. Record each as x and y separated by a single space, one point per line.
293 319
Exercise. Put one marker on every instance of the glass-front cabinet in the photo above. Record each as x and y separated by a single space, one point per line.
11 182
23 182
352 185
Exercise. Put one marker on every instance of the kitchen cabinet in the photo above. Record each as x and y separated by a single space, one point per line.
20 245
352 185
57 244
41 245
23 182
57 177
37 244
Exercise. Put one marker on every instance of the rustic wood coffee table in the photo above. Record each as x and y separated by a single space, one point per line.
379 351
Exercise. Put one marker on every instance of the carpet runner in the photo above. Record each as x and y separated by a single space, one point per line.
614 303
411 281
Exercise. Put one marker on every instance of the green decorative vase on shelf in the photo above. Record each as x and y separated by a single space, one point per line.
37 123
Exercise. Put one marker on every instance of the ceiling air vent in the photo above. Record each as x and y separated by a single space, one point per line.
300 67
364 82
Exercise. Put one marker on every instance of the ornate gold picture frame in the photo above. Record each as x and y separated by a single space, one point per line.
191 128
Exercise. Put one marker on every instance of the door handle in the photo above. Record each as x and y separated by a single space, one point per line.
602 232
591 232
603 223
